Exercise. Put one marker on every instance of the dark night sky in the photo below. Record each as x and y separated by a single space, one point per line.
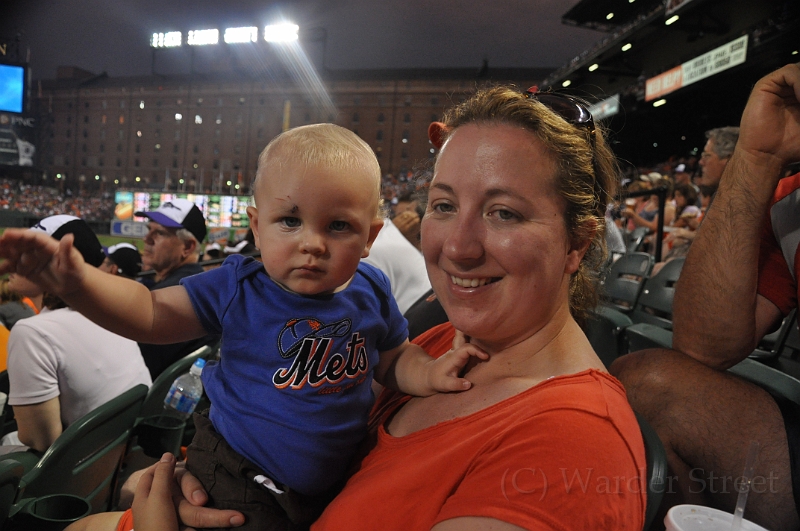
113 35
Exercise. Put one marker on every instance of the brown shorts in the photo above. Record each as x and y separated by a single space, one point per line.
229 481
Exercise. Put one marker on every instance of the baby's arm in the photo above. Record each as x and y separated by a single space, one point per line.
411 370
120 305
153 508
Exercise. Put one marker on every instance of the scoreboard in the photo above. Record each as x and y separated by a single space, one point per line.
227 211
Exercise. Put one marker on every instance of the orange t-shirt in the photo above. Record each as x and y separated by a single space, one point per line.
565 454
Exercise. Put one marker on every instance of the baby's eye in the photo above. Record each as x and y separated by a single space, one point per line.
291 222
339 226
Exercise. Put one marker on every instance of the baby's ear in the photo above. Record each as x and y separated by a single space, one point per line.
252 215
374 228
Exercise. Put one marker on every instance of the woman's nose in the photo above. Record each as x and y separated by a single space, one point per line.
464 239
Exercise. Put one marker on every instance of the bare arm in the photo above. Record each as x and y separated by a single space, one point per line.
120 305
718 317
39 425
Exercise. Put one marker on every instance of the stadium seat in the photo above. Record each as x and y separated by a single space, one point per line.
656 470
85 459
424 314
640 336
11 472
605 328
635 238
623 282
7 422
655 302
772 380
784 341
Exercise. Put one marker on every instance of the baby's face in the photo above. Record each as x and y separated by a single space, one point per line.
313 225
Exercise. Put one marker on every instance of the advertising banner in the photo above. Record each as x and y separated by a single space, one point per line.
17 137
706 65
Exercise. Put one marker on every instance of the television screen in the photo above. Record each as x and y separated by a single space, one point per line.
12 88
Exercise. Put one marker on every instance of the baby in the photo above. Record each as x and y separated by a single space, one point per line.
302 335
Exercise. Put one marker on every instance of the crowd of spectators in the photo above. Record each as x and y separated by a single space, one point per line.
43 201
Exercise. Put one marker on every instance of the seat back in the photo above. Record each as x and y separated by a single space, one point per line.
783 342
635 238
605 328
656 470
85 458
10 474
154 403
655 303
640 336
424 314
624 280
7 421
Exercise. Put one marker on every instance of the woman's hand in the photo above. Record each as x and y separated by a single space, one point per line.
189 503
153 508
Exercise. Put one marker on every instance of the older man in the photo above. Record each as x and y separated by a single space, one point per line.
716 154
171 250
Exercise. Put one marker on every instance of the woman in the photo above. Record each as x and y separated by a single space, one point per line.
512 236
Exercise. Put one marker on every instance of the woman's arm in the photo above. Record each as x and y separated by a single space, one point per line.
39 425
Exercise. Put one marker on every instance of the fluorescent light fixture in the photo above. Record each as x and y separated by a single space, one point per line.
794 52
627 47
609 16
178 117
672 20
285 32
234 35
203 37
659 103
631 1
96 177
171 39
180 181
566 83
594 67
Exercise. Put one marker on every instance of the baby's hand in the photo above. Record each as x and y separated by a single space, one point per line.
443 372
153 509
56 266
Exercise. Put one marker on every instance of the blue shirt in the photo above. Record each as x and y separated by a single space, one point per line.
292 391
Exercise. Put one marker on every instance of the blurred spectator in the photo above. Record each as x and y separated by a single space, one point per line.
122 259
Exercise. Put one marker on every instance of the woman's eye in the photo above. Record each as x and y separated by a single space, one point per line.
505 215
443 208
339 226
291 222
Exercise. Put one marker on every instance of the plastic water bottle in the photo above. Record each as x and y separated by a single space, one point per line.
185 392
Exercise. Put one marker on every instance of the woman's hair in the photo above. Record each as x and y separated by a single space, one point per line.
586 177
689 193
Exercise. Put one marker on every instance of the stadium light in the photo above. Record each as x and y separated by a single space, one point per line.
627 47
170 39
203 37
609 16
594 67
566 83
237 35
286 32
671 20
659 103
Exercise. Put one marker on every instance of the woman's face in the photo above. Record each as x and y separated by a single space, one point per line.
494 236
680 201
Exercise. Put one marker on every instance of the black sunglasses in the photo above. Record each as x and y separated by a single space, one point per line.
566 107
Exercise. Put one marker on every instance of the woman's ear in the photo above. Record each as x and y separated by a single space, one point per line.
581 240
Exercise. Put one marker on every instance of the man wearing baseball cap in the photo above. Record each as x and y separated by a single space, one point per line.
175 231
171 249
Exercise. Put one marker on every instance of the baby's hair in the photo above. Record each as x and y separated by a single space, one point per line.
327 145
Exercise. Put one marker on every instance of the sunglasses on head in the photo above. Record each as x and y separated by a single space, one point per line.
566 107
